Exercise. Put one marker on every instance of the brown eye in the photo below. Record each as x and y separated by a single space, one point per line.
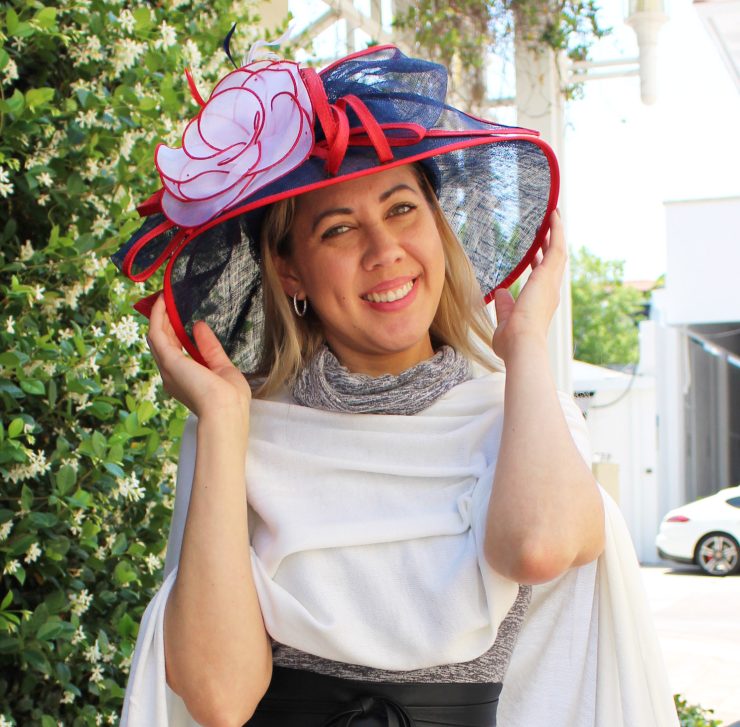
334 231
401 209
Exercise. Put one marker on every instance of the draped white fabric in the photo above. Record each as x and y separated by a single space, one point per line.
402 501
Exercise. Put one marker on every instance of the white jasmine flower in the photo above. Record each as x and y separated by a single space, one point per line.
169 470
26 251
126 331
100 225
6 186
129 488
127 20
11 567
78 636
4 722
191 53
45 179
96 676
5 529
32 554
132 368
93 49
72 462
127 143
92 653
118 288
66 333
10 72
68 697
38 292
127 52
10 324
169 36
109 386
71 295
49 368
87 119
80 602
37 464
152 562
42 200
93 264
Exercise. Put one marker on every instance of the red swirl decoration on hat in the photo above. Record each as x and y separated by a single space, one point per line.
256 126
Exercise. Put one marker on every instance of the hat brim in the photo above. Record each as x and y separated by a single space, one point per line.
497 194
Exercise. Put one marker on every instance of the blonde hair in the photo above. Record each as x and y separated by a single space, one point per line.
289 342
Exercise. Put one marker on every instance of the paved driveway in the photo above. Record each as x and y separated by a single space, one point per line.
698 623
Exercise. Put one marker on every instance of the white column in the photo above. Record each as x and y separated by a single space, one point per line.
541 106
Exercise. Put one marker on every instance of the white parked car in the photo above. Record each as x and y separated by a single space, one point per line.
705 532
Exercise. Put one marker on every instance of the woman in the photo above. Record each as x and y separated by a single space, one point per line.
400 499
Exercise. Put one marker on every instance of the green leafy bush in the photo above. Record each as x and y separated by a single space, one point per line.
693 715
87 444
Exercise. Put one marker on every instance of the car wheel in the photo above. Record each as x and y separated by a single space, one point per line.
718 554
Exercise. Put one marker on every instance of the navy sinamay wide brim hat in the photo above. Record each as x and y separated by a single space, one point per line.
272 130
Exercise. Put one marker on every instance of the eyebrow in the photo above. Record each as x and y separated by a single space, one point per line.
348 211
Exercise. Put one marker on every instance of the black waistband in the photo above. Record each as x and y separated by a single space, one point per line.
298 698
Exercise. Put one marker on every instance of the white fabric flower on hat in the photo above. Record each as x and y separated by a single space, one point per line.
256 127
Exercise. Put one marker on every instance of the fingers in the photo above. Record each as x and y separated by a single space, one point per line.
210 347
504 303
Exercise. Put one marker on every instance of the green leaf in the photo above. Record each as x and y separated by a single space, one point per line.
152 443
9 359
143 18
33 386
75 184
119 544
126 626
14 105
37 660
66 479
89 529
15 428
7 600
80 499
52 393
47 720
145 411
124 573
43 519
46 18
101 410
99 444
115 453
26 497
147 103
11 389
39 97
50 630
11 21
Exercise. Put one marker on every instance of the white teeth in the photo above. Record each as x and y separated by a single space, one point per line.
388 296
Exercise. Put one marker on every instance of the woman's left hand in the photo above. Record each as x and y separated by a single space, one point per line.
528 317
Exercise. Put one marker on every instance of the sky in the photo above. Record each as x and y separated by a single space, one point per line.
622 160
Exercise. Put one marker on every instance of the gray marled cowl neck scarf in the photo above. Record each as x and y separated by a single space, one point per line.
325 384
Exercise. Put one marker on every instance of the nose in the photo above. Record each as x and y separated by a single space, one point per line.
383 247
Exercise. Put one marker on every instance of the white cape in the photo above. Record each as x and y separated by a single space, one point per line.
587 655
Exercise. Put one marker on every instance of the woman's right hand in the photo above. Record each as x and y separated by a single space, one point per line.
202 389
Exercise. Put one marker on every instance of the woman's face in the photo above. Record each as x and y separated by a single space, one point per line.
368 257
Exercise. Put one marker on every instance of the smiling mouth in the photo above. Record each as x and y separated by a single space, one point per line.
389 296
